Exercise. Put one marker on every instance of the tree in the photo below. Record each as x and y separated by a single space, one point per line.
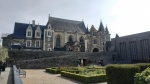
3 54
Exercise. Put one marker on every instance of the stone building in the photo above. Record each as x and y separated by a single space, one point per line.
59 35
7 39
132 48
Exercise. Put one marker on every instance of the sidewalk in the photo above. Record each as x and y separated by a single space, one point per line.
6 76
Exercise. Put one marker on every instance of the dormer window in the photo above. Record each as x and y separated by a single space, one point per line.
37 33
29 33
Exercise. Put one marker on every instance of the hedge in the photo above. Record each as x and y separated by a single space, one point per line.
57 71
54 71
121 73
84 79
143 66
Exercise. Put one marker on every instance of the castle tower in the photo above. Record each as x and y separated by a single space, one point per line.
107 34
48 43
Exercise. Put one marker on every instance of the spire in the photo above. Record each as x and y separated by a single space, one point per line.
87 30
117 36
92 28
48 20
106 30
101 27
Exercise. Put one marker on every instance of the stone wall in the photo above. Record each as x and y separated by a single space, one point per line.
45 59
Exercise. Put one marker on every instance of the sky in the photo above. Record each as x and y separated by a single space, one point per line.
123 17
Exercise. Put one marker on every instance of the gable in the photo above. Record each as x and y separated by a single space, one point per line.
20 30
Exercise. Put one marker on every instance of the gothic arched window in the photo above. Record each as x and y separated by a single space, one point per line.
58 40
81 39
70 39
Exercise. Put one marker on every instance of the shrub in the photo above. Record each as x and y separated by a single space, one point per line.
143 77
83 78
121 73
143 66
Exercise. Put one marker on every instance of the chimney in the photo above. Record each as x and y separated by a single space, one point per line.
33 23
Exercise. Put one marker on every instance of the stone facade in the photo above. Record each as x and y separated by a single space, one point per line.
132 48
60 35
45 59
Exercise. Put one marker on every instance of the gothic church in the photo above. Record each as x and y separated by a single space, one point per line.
60 35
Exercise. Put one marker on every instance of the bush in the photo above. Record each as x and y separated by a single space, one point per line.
143 77
121 73
143 66
83 78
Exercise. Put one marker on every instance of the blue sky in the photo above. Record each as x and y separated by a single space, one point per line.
124 17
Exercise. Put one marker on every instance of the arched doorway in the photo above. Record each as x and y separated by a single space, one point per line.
95 50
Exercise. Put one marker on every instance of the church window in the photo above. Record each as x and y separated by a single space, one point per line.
70 39
81 39
58 41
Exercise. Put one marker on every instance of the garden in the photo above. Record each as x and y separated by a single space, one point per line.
87 74
112 74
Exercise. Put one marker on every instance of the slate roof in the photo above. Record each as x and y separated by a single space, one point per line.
20 30
101 27
68 25
93 28
56 23
87 30
107 32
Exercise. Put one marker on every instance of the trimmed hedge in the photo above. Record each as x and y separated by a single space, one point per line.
57 71
84 79
54 71
121 73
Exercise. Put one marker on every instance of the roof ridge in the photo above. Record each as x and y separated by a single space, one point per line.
135 34
28 24
66 19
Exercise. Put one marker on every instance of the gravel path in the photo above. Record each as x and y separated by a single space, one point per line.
39 76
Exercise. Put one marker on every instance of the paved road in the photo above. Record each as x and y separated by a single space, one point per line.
39 76
6 76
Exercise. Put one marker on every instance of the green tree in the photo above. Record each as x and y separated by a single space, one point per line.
3 53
